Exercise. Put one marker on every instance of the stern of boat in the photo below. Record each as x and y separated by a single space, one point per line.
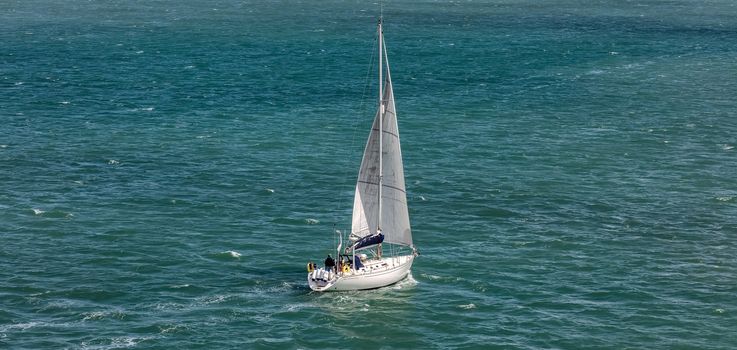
321 280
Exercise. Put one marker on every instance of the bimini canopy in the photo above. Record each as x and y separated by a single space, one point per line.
366 242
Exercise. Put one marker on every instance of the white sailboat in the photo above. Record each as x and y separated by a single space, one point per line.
380 251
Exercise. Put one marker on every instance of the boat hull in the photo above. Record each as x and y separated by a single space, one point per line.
378 274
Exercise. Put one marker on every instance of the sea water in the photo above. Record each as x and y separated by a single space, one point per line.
168 168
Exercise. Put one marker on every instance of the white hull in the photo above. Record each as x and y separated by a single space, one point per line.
375 274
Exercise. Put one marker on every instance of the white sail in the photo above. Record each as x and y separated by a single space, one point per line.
380 203
394 217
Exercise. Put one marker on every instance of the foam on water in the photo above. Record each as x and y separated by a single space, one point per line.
97 315
19 326
432 277
215 299
408 282
173 329
232 254
115 343
542 192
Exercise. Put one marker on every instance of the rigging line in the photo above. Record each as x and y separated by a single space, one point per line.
350 151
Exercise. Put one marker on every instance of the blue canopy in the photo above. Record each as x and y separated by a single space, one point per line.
366 242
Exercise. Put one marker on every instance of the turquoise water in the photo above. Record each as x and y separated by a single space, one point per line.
168 168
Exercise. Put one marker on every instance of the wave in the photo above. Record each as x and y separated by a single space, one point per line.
407 282
228 255
441 278
231 253
294 221
20 326
99 315
173 328
95 315
147 109
725 198
52 214
214 299
115 343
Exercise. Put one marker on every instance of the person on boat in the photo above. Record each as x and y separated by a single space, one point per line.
329 263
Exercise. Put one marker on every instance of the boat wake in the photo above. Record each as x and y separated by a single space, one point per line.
409 282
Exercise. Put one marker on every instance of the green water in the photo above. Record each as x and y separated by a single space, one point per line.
168 168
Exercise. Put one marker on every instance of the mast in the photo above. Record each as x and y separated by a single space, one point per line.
381 120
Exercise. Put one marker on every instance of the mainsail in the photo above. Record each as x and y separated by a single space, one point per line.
394 214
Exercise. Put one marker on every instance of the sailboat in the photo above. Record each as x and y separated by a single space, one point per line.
379 249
